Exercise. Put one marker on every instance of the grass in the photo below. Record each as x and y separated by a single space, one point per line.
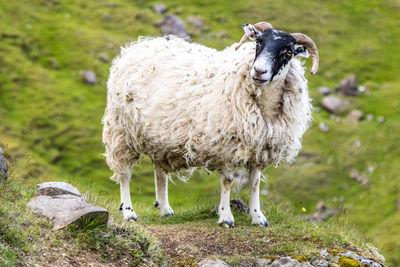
50 120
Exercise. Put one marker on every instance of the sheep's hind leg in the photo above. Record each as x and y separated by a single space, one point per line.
257 217
161 186
224 209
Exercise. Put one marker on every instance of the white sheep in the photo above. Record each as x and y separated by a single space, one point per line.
186 105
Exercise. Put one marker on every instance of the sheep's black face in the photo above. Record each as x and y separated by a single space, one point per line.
274 50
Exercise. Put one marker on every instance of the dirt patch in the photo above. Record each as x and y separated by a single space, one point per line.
188 244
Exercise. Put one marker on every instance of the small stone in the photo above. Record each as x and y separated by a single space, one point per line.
319 263
222 19
3 166
381 119
362 89
285 262
324 91
223 34
54 64
359 178
333 104
348 86
357 143
355 115
325 254
171 24
323 127
264 192
239 205
371 168
160 8
263 262
212 263
197 23
369 117
89 77
104 58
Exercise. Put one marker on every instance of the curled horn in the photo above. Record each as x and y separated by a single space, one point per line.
303 39
260 26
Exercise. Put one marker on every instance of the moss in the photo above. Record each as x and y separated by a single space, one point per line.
301 258
349 262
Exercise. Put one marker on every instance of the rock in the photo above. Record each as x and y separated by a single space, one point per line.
348 86
89 77
171 24
54 64
357 143
160 8
240 180
319 263
355 115
323 212
325 254
333 104
369 117
263 262
362 89
196 22
3 166
56 188
356 176
239 205
223 34
287 262
323 127
212 263
104 58
324 91
65 205
381 119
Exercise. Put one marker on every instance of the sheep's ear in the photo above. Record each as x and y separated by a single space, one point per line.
301 51
251 32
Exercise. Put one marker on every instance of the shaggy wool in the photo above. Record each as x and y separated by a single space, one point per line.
186 105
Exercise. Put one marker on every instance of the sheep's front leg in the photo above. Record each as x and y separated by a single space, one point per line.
161 184
257 217
224 209
126 203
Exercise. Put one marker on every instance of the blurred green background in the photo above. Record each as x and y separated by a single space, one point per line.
50 119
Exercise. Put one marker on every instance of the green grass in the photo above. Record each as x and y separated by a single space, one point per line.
50 120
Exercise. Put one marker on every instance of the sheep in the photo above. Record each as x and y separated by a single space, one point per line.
190 106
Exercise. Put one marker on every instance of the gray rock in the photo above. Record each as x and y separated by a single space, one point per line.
323 213
239 205
355 115
324 91
285 262
319 263
197 23
212 263
3 166
171 24
359 178
263 262
65 205
381 119
325 254
348 86
369 117
54 64
56 188
89 77
333 104
160 8
104 58
323 127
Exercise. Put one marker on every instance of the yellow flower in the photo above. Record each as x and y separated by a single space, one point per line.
303 209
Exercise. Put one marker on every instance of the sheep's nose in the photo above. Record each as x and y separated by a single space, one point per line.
259 71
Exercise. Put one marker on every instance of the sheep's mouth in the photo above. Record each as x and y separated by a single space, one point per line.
258 81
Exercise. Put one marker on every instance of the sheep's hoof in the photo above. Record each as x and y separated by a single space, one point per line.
129 214
264 224
167 212
226 224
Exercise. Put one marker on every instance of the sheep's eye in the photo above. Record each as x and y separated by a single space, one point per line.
288 53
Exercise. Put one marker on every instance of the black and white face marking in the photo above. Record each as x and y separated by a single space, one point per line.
274 50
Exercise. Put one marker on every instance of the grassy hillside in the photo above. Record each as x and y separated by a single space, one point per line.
50 120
